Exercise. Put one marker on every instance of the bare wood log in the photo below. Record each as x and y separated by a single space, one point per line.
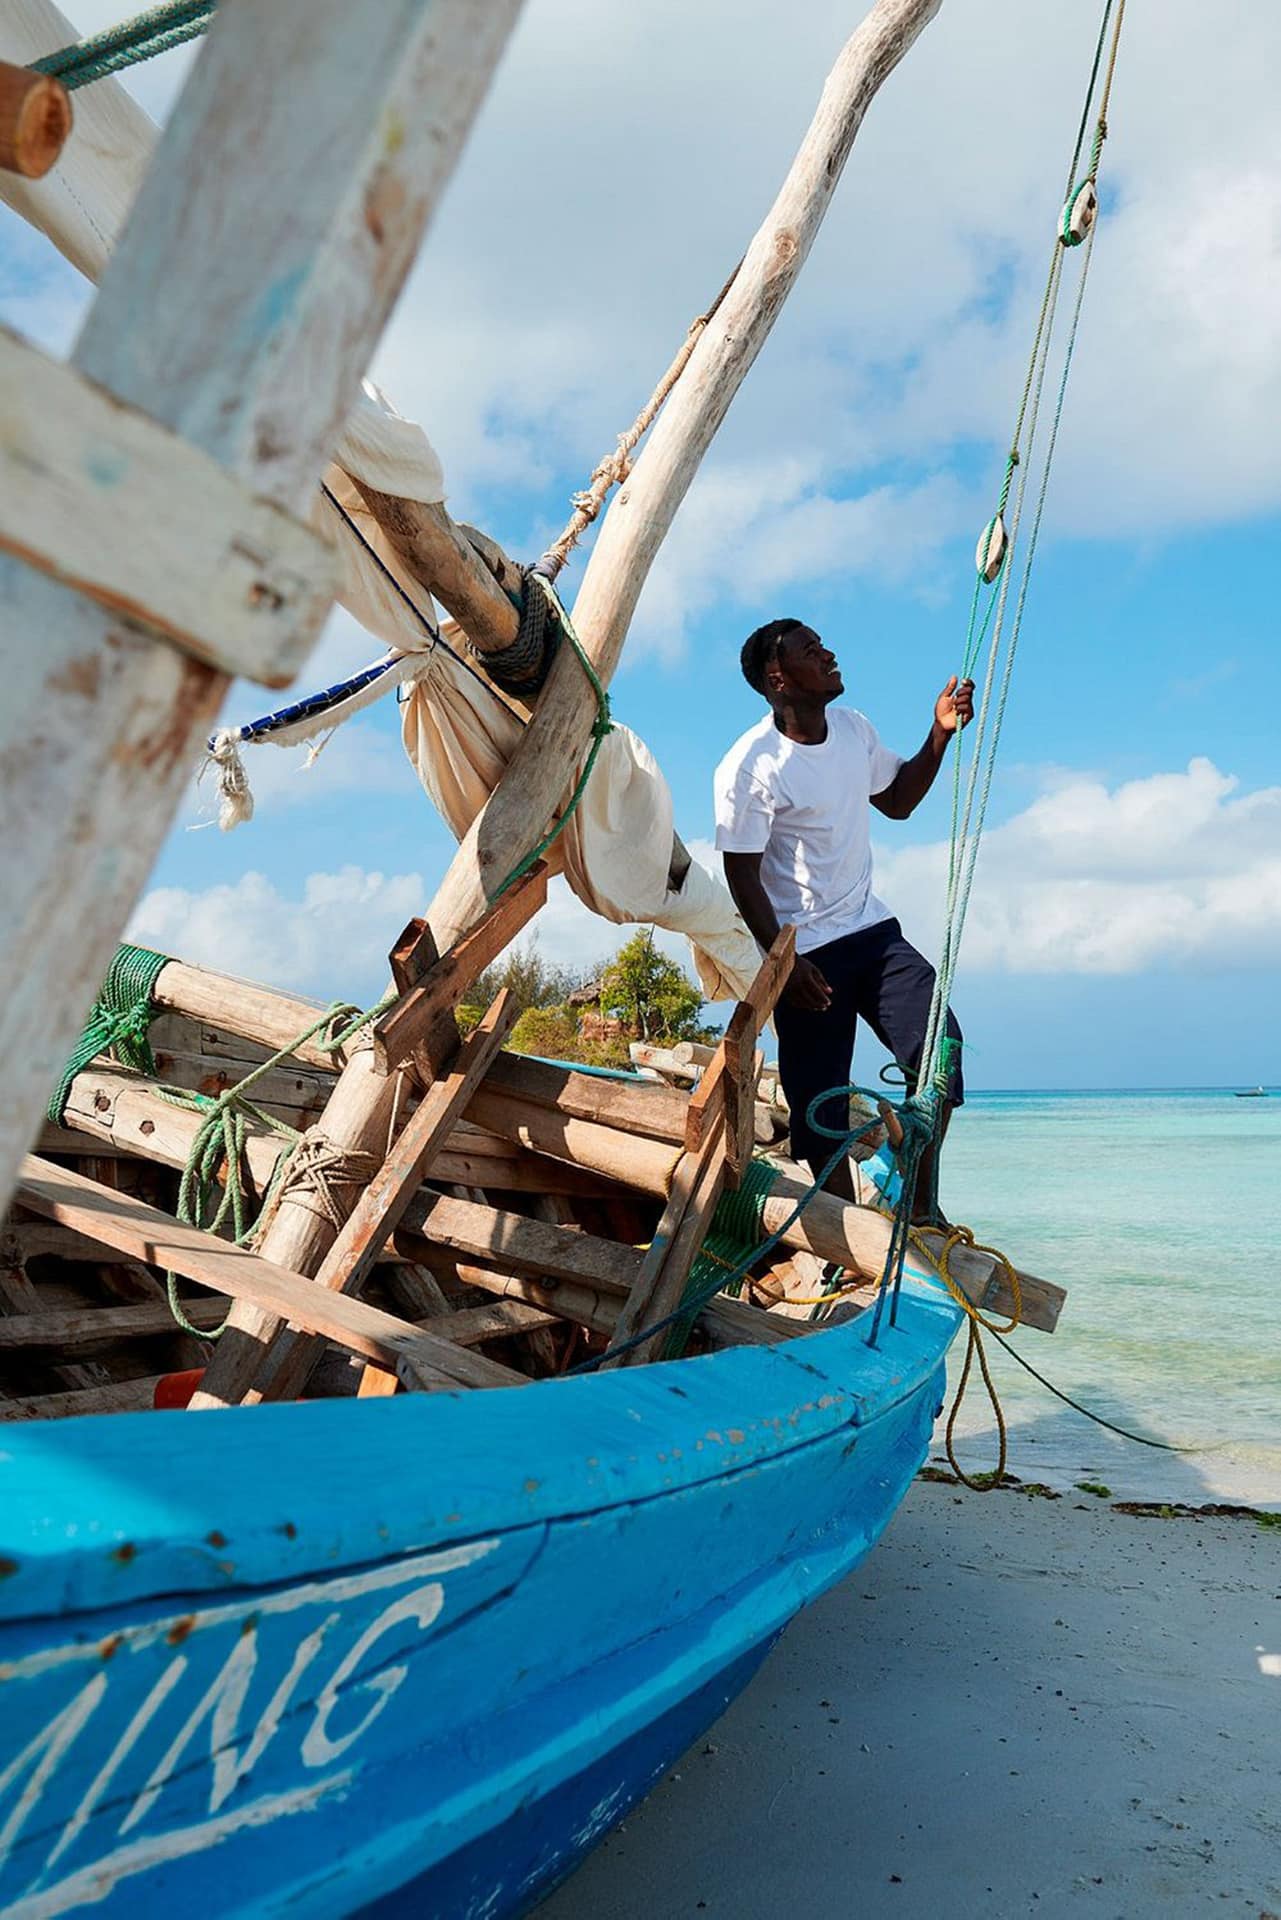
234 1373
638 1306
518 1244
438 552
151 1236
586 1152
857 1237
35 119
470 1326
239 310
537 776
262 1014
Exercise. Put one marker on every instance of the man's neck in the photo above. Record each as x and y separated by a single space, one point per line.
803 721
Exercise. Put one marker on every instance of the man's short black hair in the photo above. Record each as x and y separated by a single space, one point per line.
760 649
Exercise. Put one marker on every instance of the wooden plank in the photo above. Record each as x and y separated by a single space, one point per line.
376 1383
105 502
743 1064
637 1307
152 1237
673 1265
469 1326
240 309
403 1029
706 1104
88 1329
632 1105
723 1323
536 778
20 1295
375 1216
517 1244
113 1396
35 119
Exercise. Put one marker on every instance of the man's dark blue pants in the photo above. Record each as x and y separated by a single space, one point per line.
877 976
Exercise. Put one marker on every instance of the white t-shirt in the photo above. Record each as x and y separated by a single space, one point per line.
805 808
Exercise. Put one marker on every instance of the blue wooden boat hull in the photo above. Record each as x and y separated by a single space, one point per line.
420 1653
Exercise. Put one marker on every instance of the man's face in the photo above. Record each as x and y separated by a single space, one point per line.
804 668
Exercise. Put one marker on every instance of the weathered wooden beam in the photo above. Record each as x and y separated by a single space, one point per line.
696 1190
153 1237
742 1062
723 1323
35 119
553 745
243 1369
112 1396
239 310
100 497
91 1329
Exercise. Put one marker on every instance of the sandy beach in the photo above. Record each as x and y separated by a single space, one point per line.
1019 1705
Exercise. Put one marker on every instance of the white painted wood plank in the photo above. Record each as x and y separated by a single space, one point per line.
254 275
104 499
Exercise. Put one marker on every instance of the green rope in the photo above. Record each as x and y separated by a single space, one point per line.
118 1022
126 45
602 725
213 1188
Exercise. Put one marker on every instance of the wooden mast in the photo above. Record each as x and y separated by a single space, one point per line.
235 319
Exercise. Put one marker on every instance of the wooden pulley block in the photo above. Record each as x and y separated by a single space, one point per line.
35 119
1079 214
994 544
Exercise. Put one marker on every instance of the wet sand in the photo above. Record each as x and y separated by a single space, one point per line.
1017 1706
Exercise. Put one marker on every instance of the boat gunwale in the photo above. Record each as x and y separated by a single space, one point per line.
167 1538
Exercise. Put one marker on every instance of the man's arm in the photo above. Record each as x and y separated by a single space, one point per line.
806 987
953 710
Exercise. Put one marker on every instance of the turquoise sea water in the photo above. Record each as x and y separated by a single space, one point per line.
1161 1214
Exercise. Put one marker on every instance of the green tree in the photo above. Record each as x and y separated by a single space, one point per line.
549 1031
650 994
531 980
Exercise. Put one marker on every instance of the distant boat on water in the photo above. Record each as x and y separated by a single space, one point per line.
1252 1093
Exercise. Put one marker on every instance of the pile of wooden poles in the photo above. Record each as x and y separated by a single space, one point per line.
484 1220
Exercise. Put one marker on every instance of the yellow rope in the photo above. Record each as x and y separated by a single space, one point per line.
976 1324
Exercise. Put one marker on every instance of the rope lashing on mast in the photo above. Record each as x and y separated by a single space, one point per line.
148 34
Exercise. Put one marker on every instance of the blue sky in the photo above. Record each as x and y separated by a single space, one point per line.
1126 928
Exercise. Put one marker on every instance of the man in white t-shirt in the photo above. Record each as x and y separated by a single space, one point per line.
794 830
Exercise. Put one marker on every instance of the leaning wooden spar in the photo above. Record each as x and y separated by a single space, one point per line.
392 1628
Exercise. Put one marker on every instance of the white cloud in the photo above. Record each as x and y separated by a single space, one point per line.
332 937
578 240
331 940
1179 870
